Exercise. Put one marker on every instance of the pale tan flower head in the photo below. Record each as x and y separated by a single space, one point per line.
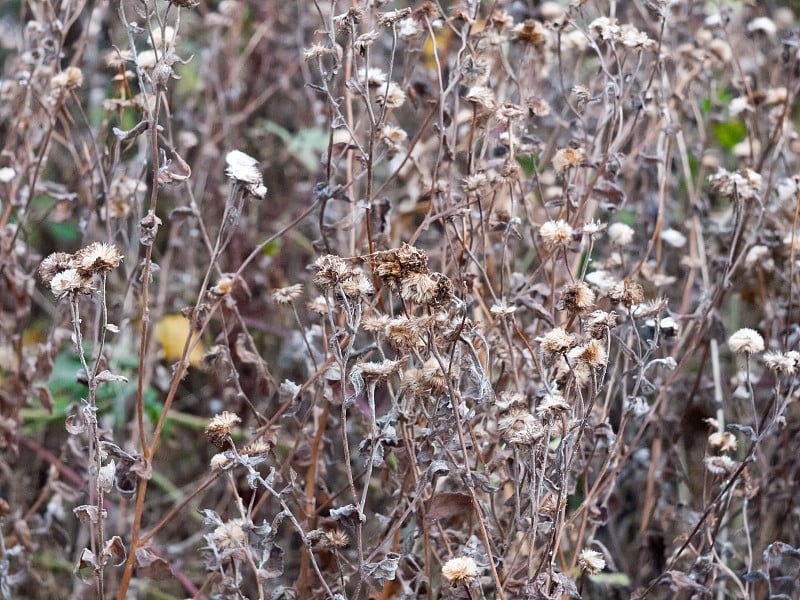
724 441
460 571
519 426
576 298
98 257
242 168
555 233
567 158
230 535
288 295
219 428
746 341
591 561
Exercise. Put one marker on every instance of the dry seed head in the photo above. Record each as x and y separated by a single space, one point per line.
591 561
230 535
552 405
531 32
406 333
720 465
219 427
555 343
318 305
502 310
243 168
375 322
592 354
55 263
567 158
357 285
724 441
392 266
224 285
98 257
71 282
620 234
555 233
257 447
460 571
746 341
605 28
429 289
576 298
334 538
745 184
519 426
392 96
780 362
288 295
220 461
68 79
628 292
331 270
598 323
376 371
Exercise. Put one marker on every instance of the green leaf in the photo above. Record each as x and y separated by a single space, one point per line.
729 133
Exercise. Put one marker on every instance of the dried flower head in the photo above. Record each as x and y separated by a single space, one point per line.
628 292
720 465
429 289
555 233
724 441
375 371
392 95
591 561
393 266
219 428
519 426
98 257
287 295
555 343
576 298
243 168
782 362
567 158
358 285
220 461
746 341
592 354
331 270
406 333
334 538
620 234
70 282
745 184
598 323
552 404
460 571
427 380
68 79
229 536
257 447
55 263
531 32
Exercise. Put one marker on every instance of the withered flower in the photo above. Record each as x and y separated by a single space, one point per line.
576 298
628 292
219 428
460 571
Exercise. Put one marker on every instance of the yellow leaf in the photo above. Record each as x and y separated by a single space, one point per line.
171 332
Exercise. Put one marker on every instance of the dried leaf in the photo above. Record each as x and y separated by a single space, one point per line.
385 569
114 548
449 504
45 397
88 513
150 565
106 376
86 567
